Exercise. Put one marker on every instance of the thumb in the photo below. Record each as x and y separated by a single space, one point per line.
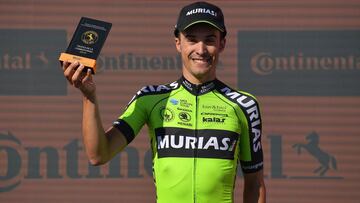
88 74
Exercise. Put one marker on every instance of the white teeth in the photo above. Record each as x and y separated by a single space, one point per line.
201 59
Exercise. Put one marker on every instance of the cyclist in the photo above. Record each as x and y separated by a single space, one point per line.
199 127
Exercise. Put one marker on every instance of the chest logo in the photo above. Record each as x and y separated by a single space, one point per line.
167 114
184 116
213 120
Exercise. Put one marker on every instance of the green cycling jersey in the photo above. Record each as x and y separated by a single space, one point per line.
199 134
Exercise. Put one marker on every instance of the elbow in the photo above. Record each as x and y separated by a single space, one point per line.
96 160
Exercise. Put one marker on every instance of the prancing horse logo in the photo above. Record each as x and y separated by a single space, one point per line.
313 148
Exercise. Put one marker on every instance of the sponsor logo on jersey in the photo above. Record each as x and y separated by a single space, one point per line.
188 85
214 114
185 103
190 142
213 120
184 116
157 88
253 114
184 109
214 108
167 114
174 101
198 89
153 89
185 124
179 142
207 87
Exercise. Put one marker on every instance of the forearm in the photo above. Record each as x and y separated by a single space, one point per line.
95 141
254 188
255 195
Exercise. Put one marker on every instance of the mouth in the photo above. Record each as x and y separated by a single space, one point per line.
201 60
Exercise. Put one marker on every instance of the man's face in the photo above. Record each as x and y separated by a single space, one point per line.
199 46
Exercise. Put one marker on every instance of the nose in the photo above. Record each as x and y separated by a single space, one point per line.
201 48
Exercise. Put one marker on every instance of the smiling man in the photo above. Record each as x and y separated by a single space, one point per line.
199 127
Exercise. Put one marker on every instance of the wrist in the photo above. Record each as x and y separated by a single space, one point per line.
90 97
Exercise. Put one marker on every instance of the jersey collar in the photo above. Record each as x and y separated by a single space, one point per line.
197 89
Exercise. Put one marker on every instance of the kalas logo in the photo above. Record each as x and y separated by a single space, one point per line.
213 120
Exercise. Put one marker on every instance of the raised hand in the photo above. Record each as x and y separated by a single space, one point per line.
74 73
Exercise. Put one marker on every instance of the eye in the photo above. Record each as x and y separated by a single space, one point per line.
210 40
191 39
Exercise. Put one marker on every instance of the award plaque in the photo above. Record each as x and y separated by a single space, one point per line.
86 43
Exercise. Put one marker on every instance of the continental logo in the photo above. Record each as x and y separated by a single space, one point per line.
265 63
29 62
23 61
299 63
22 163
325 160
140 62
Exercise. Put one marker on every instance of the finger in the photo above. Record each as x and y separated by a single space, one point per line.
70 67
78 72
78 75
88 72
65 64
69 71
88 75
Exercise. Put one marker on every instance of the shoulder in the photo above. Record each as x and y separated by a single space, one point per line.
153 90
243 99
157 89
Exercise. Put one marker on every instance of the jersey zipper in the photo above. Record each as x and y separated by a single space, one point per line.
196 136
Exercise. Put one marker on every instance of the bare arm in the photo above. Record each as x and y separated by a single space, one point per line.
100 146
254 188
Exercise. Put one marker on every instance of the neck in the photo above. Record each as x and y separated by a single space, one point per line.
197 80
198 89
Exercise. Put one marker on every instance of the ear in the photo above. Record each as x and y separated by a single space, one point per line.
177 44
222 44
